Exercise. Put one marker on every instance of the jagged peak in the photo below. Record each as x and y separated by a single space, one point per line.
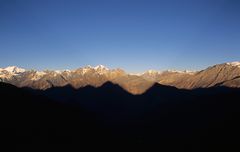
14 69
100 67
95 67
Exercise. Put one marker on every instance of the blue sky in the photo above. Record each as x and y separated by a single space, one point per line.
135 35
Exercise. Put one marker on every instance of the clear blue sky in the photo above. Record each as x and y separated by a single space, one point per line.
132 34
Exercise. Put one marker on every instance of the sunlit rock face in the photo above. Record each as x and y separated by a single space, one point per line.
227 74
222 74
133 84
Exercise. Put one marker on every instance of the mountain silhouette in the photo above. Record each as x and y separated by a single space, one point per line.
164 116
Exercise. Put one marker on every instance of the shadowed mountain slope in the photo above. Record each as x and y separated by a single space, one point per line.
164 116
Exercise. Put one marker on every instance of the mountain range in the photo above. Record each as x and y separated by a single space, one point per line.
226 74
90 106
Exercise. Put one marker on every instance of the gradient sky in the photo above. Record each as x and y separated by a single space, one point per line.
135 35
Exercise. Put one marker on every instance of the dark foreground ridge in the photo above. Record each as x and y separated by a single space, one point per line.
166 117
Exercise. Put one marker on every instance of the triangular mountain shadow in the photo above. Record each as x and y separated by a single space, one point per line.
109 84
156 87
112 88
160 91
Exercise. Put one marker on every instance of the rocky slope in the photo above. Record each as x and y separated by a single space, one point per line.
226 74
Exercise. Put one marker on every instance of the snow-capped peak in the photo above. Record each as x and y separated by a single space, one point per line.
10 71
38 75
100 67
58 71
234 64
14 69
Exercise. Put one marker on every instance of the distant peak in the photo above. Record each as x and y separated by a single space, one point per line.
177 71
101 67
96 67
14 69
88 66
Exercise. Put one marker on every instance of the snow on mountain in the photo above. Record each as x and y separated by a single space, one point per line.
59 71
100 67
85 70
38 75
14 69
218 74
234 64
8 72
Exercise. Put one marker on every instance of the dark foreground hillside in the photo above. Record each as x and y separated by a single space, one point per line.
163 117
